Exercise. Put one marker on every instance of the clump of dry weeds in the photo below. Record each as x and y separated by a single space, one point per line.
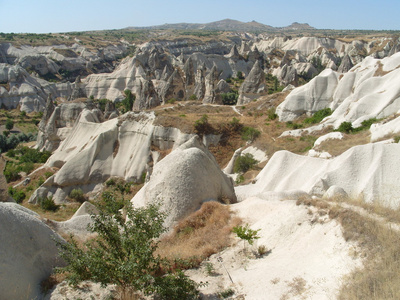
203 233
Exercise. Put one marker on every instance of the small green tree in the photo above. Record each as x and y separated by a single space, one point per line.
346 127
244 163
250 133
245 233
123 253
129 100
9 124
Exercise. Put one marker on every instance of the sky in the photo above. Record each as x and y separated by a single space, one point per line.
45 16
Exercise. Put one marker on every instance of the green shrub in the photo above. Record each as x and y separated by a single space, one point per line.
47 203
244 162
193 97
77 195
346 127
271 114
11 172
17 195
123 253
250 133
171 101
235 124
246 234
318 116
9 124
202 126
128 100
292 125
230 98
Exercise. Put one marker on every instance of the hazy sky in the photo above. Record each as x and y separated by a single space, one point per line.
44 16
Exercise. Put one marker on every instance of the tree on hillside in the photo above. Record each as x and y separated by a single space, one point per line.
123 253
9 124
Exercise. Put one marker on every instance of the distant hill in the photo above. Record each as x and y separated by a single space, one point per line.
230 25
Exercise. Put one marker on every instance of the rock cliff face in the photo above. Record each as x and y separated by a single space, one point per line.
253 86
162 70
368 90
369 171
28 250
94 151
184 179
57 123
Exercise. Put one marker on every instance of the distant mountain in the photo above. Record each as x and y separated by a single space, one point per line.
229 25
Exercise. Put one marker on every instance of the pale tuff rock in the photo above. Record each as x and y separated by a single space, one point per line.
309 98
20 89
211 82
78 91
56 123
368 171
183 180
94 151
345 65
28 252
253 85
200 87
174 88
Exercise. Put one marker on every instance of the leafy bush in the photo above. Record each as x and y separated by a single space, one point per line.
250 133
123 254
47 203
77 195
246 234
202 126
11 172
244 162
230 98
17 195
346 127
128 100
235 124
9 124
318 116
271 114
193 97
292 125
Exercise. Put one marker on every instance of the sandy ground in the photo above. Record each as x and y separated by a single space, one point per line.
307 256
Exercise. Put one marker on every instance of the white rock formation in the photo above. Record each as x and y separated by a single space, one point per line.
183 180
309 98
369 171
368 90
94 151
28 252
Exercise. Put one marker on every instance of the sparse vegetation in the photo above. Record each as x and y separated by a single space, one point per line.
77 195
123 253
195 238
245 233
250 133
244 163
47 203
318 116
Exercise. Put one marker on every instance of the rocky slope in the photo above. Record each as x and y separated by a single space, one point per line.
162 70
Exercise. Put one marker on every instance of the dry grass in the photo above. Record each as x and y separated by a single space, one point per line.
380 276
336 147
378 245
205 232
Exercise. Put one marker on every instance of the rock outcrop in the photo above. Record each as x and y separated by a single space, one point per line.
183 180
28 252
367 171
56 123
309 98
253 85
94 151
